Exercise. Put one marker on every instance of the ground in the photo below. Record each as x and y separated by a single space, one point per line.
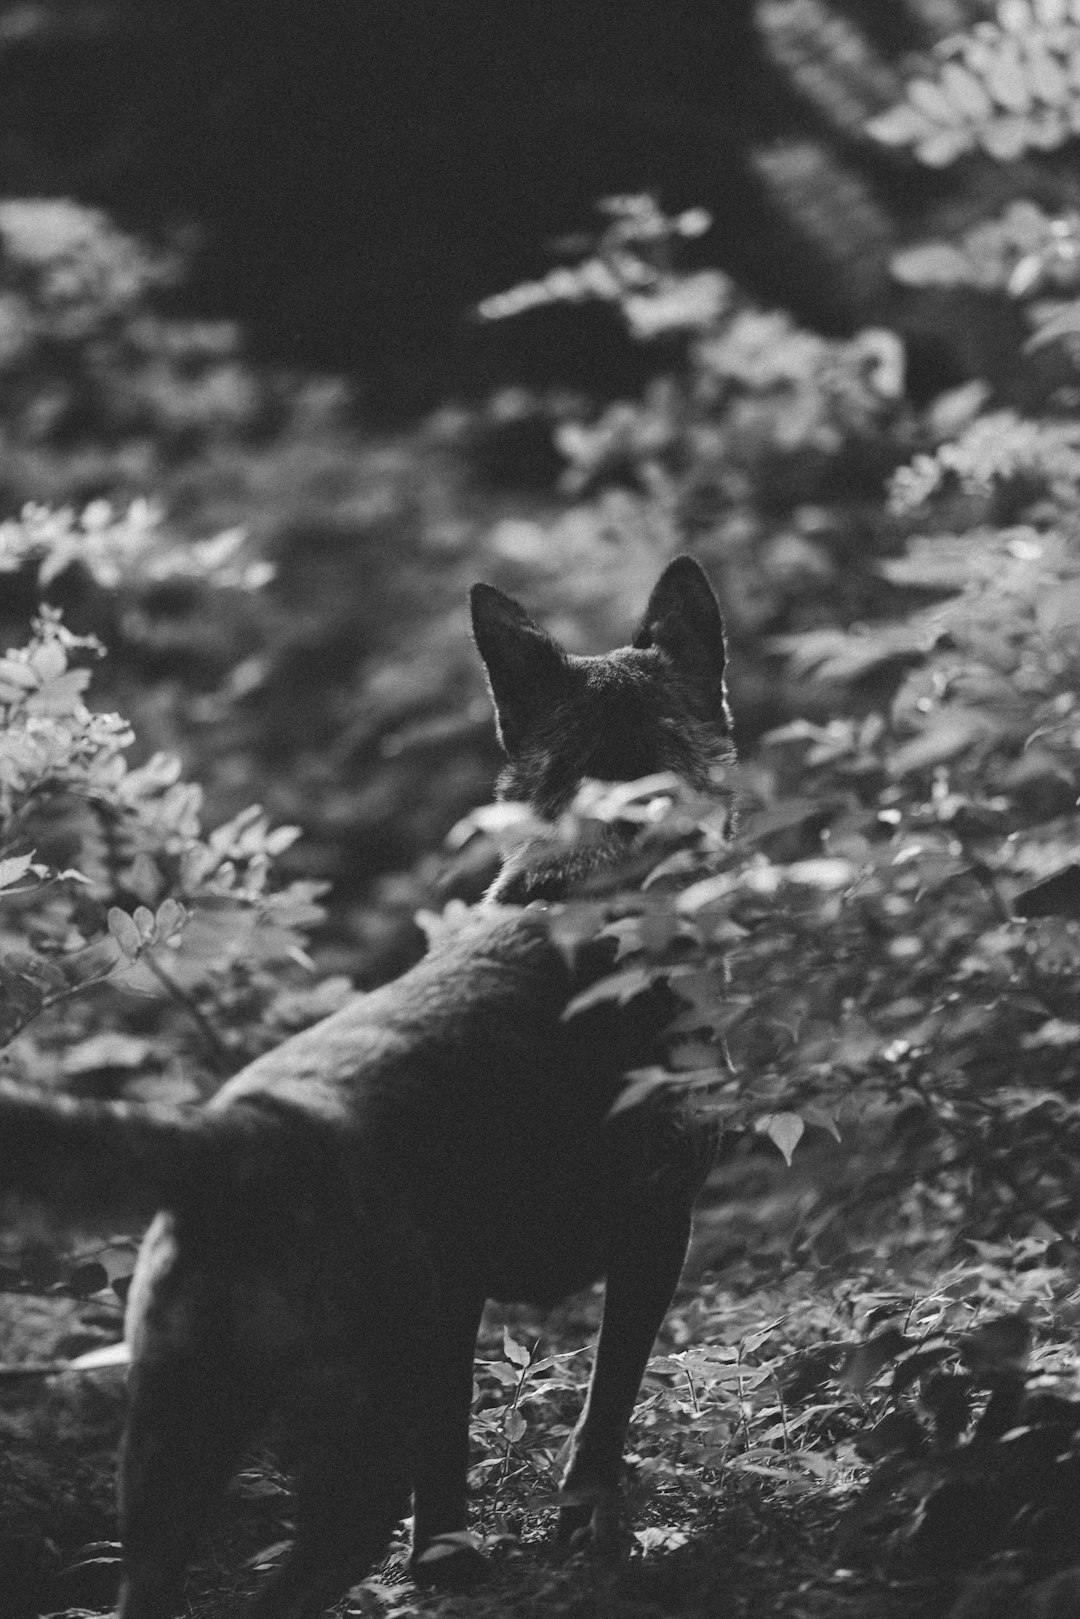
730 1516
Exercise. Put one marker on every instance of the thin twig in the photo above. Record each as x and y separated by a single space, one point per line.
221 1057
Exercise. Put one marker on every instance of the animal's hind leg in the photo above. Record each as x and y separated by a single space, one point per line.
440 1505
640 1283
187 1424
352 1484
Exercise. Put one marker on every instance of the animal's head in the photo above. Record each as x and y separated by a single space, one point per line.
656 705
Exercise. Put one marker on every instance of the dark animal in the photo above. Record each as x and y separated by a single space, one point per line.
330 1225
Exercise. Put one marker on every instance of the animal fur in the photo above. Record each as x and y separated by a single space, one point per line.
330 1225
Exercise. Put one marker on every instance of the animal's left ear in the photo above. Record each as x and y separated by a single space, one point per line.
683 620
527 671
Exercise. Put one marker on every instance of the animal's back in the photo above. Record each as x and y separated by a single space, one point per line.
479 1112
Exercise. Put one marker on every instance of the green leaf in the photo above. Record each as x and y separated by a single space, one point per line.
13 868
950 733
930 99
902 125
514 1351
169 919
784 1130
125 931
1007 80
619 987
144 921
1006 138
1063 322
934 264
966 92
94 1360
944 146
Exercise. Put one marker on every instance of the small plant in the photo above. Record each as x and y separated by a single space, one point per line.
629 264
105 870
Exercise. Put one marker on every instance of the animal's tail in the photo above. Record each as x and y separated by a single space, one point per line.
110 1158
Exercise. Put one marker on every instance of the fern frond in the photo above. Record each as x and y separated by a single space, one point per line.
1005 87
832 208
828 60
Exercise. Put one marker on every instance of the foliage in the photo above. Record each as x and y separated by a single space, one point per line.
946 1393
105 870
1024 249
767 447
888 948
1006 86
102 389
881 964
630 264
999 454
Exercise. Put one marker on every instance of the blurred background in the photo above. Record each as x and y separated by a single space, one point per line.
413 292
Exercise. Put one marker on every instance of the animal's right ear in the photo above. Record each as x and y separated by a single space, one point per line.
683 621
527 671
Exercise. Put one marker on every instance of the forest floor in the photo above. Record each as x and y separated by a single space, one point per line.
779 1535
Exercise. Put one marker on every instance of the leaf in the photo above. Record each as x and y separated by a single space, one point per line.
444 1546
515 1352
124 930
966 92
109 1050
824 872
144 921
1005 138
169 919
933 264
1058 610
1055 1033
17 673
61 698
950 733
1045 74
902 125
1064 322
944 146
48 661
514 1426
931 99
661 1538
14 867
822 1119
619 987
784 1130
1015 16
1006 78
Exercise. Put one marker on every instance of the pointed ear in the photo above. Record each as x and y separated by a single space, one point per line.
527 671
683 620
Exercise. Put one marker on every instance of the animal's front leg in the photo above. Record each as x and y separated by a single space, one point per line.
641 1281
440 1505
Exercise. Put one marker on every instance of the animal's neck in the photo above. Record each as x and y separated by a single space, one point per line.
545 868
601 858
